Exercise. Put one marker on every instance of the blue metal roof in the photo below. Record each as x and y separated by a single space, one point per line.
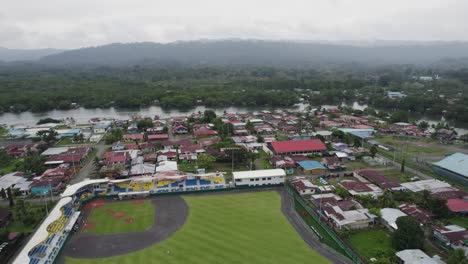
457 163
311 164
361 134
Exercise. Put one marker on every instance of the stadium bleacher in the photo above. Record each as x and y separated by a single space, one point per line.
191 182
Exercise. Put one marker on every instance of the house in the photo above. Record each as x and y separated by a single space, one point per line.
416 256
45 186
165 166
5 217
389 217
16 181
118 146
360 188
304 147
156 137
422 215
459 206
72 156
133 137
116 157
452 237
394 95
453 167
101 128
259 177
303 186
432 185
312 167
179 129
65 173
347 214
378 179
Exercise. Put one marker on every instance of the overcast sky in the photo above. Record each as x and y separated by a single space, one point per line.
80 23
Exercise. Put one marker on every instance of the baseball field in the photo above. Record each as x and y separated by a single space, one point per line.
222 228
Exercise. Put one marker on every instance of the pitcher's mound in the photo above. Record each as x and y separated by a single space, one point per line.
119 214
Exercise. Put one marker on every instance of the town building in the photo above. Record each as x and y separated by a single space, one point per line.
259 177
304 147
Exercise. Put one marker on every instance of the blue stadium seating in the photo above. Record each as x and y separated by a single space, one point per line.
203 182
190 182
175 184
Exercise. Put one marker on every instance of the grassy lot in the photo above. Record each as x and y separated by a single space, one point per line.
107 222
231 228
187 167
36 210
414 146
459 220
397 175
10 167
371 243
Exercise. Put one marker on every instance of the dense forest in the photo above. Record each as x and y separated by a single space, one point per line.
36 88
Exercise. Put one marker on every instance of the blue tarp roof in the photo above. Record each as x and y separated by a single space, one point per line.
457 163
310 164
362 135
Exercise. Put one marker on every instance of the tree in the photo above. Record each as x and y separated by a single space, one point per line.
47 136
145 136
10 197
373 151
250 127
260 139
357 142
402 169
34 163
144 124
457 256
400 116
208 116
5 159
423 125
205 160
338 134
3 194
409 234
341 191
386 200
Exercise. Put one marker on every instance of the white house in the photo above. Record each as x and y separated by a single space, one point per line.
417 256
259 177
389 217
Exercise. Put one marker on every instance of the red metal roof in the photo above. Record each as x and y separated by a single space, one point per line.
457 205
298 146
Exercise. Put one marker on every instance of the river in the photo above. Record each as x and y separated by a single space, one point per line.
82 115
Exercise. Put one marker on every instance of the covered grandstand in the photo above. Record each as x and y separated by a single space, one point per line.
46 242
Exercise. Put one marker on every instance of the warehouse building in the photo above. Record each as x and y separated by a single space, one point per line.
453 167
304 147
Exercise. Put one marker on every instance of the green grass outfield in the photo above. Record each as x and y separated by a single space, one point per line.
106 223
371 243
231 228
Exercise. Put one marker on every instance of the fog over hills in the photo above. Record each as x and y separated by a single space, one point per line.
247 52
8 55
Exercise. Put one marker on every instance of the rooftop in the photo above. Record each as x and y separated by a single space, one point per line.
258 174
298 146
457 163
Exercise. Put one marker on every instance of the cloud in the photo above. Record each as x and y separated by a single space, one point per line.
72 24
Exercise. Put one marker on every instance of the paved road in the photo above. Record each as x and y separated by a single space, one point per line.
309 237
88 170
